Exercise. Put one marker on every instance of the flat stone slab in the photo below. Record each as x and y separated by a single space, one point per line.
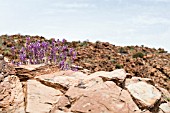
165 107
62 80
104 97
30 67
145 95
40 98
118 76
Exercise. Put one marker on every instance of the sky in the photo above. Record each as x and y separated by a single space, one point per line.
120 22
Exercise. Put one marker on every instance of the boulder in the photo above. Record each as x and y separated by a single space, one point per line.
76 92
145 95
138 79
165 94
118 76
40 98
165 107
11 95
104 97
62 80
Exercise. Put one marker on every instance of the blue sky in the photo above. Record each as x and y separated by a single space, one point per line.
120 22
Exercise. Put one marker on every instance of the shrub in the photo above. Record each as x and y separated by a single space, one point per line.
84 43
168 99
130 48
7 53
118 66
113 60
161 50
53 52
139 54
122 50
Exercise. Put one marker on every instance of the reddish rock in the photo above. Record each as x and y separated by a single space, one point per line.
117 76
11 95
145 95
105 97
40 98
62 80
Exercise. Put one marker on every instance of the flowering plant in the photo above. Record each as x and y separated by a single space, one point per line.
54 52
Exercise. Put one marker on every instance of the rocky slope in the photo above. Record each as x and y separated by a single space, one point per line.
110 79
76 92
139 61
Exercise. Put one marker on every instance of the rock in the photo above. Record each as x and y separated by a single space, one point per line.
30 67
78 67
40 98
160 111
26 72
62 80
138 79
165 94
86 71
165 107
105 97
11 95
59 111
62 104
145 95
2 62
1 77
90 81
118 76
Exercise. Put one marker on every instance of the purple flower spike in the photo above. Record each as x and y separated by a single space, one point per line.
67 67
58 41
64 48
13 62
44 45
61 64
38 52
64 41
28 38
22 49
71 51
22 57
53 42
18 63
12 48
27 41
74 55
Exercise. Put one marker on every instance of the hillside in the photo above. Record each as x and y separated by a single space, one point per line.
138 61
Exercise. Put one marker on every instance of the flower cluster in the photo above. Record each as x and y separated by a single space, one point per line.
54 52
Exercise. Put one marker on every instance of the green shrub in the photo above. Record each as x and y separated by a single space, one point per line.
118 66
7 53
168 99
161 50
113 60
139 54
122 50
130 48
83 44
